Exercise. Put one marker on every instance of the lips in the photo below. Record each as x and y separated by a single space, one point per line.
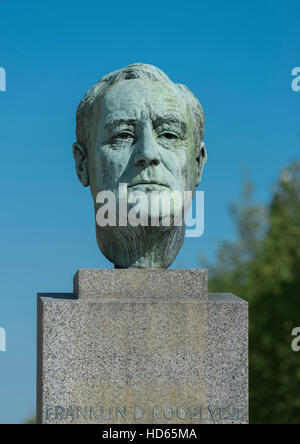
148 183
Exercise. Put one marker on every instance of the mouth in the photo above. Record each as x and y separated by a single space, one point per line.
149 185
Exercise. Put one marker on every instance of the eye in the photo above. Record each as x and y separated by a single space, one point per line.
168 135
124 135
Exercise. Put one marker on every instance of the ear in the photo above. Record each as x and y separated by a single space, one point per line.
81 163
201 160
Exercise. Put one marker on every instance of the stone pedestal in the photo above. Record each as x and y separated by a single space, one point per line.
142 346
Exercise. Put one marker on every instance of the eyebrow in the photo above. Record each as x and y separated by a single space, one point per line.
113 123
157 121
169 118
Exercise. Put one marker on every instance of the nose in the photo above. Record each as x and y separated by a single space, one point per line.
147 150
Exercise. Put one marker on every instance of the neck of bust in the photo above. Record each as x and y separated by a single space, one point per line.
140 247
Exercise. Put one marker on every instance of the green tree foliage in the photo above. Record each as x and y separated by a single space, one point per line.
263 267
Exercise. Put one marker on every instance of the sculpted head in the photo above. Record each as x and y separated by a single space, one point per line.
136 127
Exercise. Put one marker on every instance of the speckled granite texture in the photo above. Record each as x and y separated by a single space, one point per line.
141 284
134 353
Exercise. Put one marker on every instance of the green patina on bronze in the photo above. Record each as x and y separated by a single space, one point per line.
137 127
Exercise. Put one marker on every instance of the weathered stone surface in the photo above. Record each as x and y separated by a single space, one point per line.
226 365
140 284
137 128
109 360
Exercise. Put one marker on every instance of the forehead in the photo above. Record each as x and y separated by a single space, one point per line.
136 98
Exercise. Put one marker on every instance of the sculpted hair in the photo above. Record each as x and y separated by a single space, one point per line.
89 107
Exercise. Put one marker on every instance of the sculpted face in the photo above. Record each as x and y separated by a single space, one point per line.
142 133
144 138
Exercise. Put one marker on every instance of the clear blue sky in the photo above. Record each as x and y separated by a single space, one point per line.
236 56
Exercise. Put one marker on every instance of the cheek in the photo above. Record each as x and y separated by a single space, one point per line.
190 167
110 166
179 164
